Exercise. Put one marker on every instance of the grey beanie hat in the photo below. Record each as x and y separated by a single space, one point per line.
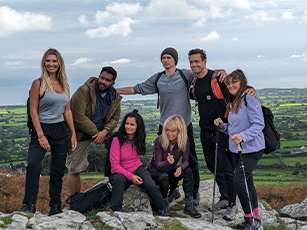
171 51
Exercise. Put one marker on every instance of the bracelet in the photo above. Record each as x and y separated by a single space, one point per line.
40 136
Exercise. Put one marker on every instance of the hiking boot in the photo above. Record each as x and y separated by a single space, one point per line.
248 223
190 209
164 212
231 212
196 199
28 207
174 195
221 204
55 209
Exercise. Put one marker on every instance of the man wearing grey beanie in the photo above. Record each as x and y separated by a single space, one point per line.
172 87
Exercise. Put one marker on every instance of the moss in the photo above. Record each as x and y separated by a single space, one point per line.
171 225
265 204
6 220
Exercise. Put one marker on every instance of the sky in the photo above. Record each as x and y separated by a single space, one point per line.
264 38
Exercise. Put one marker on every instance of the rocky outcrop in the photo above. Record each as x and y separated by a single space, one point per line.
295 211
138 215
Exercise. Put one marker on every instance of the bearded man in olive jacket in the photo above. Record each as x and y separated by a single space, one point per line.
96 111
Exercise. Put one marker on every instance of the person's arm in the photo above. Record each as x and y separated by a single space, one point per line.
69 120
255 116
125 90
110 125
251 91
34 98
221 73
158 151
115 152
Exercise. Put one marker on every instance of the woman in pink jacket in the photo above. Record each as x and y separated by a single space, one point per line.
126 166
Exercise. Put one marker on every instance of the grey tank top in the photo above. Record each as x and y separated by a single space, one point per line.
51 107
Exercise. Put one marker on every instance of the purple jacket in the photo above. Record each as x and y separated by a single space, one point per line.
249 123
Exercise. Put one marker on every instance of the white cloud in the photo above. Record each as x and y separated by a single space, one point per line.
287 15
121 61
121 28
125 9
298 55
303 59
235 39
80 61
305 16
12 21
102 17
213 35
200 23
14 63
260 56
260 16
83 20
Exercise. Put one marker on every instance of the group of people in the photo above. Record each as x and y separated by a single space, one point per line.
92 115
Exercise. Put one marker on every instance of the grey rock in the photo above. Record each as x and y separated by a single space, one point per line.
292 224
296 211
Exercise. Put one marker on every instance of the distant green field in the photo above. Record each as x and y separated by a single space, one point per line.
268 161
293 143
151 137
292 104
293 160
18 110
16 124
3 111
18 119
21 139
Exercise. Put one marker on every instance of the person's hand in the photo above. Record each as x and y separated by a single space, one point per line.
170 159
222 73
252 92
100 137
178 172
43 142
136 180
237 138
219 122
73 142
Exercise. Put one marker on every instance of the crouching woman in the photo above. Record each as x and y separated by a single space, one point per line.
169 148
126 166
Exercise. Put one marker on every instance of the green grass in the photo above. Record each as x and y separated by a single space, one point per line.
293 160
268 161
292 104
3 111
16 124
18 110
293 143
98 176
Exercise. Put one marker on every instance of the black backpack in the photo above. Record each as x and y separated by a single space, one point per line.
96 198
29 120
271 135
159 76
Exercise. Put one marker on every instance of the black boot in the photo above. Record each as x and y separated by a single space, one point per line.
190 209
250 223
28 207
55 209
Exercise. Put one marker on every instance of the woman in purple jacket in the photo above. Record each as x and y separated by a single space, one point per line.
126 166
245 125
172 145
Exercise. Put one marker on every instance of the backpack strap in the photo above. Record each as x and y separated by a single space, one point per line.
159 76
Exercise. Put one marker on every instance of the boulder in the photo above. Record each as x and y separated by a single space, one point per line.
295 211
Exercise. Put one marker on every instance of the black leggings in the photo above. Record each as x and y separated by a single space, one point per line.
250 160
119 183
168 182
56 135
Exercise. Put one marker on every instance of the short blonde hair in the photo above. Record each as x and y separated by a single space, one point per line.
175 122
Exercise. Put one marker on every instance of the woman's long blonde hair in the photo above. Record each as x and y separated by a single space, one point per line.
175 122
60 75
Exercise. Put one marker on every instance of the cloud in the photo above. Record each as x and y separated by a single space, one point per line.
200 23
305 16
287 15
14 63
80 61
121 28
211 36
102 17
260 56
121 61
235 39
260 16
125 9
298 55
13 22
83 20
303 59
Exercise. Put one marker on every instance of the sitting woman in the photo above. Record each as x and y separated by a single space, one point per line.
245 125
172 145
126 166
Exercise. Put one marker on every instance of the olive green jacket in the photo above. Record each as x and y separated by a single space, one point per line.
83 104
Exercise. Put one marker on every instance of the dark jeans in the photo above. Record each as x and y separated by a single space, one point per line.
119 183
225 167
168 182
250 160
56 135
193 162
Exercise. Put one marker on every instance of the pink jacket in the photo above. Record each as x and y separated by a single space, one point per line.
123 159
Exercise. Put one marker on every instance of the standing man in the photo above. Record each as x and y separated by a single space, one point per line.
96 111
210 108
173 88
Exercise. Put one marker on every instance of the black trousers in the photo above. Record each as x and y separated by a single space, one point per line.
250 160
225 167
119 183
56 135
193 161
168 182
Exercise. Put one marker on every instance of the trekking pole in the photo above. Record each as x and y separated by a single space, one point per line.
245 182
215 166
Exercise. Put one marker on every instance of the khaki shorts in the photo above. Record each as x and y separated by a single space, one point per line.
76 161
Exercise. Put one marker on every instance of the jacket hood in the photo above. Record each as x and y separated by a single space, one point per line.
90 82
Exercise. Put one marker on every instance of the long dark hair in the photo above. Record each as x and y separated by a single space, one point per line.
237 75
140 134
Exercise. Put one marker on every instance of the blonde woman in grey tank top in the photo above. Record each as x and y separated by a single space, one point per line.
50 113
